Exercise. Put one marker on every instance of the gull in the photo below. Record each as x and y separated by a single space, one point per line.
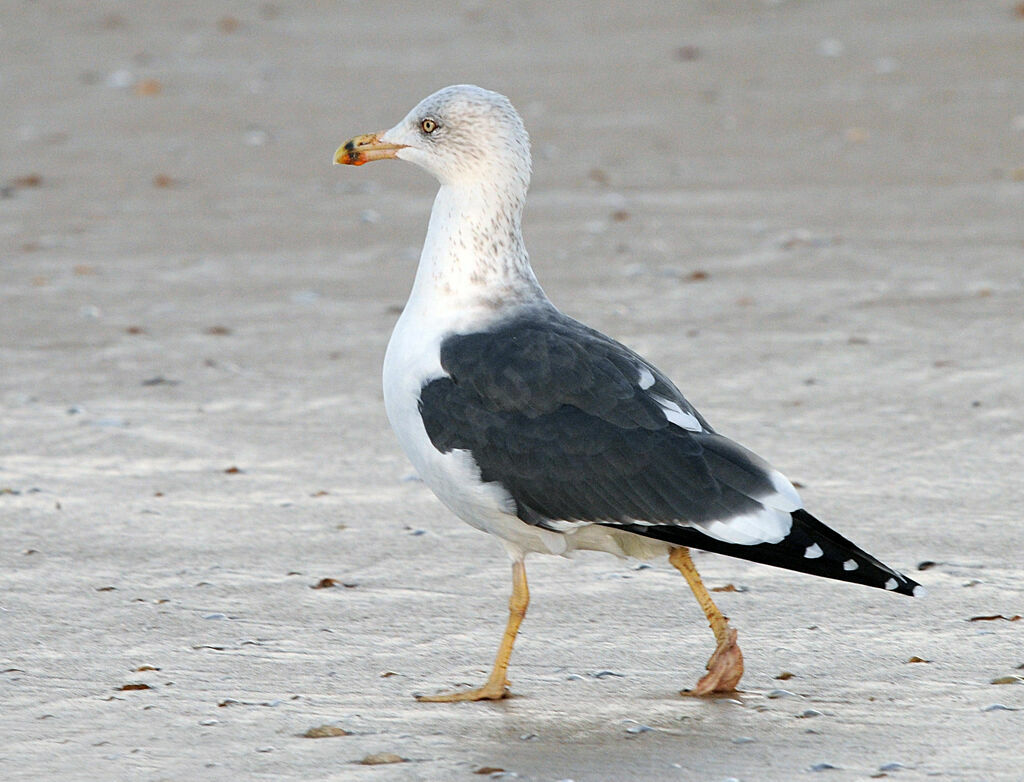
548 434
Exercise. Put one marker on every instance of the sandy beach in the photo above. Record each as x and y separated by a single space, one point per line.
809 214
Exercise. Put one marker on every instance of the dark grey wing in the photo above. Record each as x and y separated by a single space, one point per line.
578 428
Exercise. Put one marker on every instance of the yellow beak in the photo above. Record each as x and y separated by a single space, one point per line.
363 149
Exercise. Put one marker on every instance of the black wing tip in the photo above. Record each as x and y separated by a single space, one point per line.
811 547
912 588
904 586
859 567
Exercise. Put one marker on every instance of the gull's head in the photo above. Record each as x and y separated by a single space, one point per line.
463 135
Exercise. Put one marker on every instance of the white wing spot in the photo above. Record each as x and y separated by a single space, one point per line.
920 591
850 564
813 551
891 584
676 415
646 378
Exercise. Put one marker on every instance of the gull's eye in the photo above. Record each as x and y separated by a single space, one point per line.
428 125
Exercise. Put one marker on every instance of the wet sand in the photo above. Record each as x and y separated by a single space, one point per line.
808 214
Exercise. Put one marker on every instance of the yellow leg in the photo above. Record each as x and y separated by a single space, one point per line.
725 668
496 686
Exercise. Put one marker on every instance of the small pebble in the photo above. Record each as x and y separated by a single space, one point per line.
744 740
529 737
891 767
639 729
381 759
574 677
148 87
1008 680
324 732
215 616
264 749
809 714
823 767
687 53
856 135
606 674
228 24
209 722
773 694
999 707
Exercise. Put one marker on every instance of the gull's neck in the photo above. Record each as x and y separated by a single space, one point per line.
473 257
